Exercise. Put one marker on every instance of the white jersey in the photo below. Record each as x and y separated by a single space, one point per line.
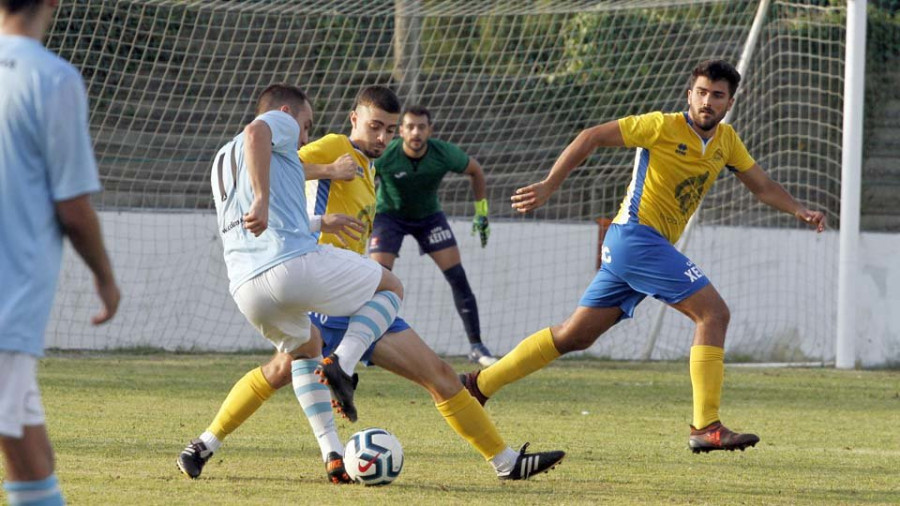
45 157
287 235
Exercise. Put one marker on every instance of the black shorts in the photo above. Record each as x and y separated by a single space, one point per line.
433 233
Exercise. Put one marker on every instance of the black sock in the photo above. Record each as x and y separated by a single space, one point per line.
465 302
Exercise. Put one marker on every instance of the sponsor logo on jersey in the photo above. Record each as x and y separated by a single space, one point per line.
689 191
400 175
681 149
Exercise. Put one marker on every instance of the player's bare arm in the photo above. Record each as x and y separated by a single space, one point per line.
341 225
80 223
476 175
258 150
604 135
342 169
769 192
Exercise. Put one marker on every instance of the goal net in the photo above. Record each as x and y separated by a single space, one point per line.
511 83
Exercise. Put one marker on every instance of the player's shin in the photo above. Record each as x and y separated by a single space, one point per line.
707 376
469 419
366 325
532 354
315 399
246 396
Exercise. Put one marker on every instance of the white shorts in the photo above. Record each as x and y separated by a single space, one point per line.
20 399
328 280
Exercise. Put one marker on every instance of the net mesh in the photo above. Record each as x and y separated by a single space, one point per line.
511 83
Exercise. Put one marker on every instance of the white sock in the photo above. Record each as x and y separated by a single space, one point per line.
315 399
212 442
367 325
504 461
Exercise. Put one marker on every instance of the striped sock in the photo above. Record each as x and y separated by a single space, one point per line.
315 399
34 493
367 325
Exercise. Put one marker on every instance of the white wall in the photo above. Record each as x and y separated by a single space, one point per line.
779 284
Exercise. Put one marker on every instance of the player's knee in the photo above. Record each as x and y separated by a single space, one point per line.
568 337
278 371
718 315
443 383
391 283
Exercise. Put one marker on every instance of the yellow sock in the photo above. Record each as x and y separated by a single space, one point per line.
533 353
246 396
707 375
463 413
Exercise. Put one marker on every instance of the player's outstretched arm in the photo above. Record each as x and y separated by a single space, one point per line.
342 169
604 135
80 223
258 153
769 192
480 224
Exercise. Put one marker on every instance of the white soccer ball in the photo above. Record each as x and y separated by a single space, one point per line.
373 457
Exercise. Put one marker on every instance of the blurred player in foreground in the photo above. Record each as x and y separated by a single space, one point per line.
410 172
400 350
47 173
679 156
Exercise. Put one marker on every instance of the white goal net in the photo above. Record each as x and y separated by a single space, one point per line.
511 83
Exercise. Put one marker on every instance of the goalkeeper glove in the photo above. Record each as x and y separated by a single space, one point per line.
480 224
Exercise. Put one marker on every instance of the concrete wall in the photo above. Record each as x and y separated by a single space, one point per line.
779 284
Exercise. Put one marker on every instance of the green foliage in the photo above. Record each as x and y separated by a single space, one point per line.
118 422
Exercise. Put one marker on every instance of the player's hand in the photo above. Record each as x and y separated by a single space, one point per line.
109 298
256 220
480 224
341 225
344 168
531 197
814 218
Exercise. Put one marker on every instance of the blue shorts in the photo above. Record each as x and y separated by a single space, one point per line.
333 328
636 262
433 233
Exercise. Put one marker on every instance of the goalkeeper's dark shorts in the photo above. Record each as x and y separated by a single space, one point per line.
638 261
433 233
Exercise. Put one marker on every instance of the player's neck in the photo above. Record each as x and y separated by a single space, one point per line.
23 26
415 154
704 134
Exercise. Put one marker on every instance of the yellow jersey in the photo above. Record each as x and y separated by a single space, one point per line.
674 168
354 198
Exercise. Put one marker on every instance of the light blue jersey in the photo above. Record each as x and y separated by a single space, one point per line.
45 157
288 235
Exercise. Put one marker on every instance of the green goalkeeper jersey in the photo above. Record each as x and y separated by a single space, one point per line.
408 186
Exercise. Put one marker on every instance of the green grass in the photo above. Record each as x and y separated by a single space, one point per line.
828 437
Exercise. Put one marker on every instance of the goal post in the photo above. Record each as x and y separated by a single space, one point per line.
511 83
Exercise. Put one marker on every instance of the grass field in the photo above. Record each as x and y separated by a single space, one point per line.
828 437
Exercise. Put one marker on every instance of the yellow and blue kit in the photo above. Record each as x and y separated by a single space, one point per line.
674 168
354 198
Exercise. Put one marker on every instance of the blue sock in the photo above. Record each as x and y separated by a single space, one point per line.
367 325
34 493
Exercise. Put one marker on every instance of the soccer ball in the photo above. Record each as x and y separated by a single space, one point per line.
373 457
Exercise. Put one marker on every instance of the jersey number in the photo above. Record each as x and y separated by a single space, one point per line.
219 163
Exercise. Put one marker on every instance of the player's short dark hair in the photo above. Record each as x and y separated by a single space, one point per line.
14 6
277 95
378 96
717 70
417 110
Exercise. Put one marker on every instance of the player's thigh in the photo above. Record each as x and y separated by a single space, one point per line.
433 233
331 281
583 327
446 258
705 305
284 324
405 353
385 259
24 440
